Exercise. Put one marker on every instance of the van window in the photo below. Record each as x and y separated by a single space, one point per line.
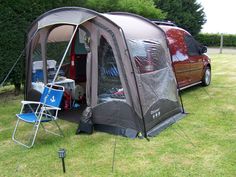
148 56
192 45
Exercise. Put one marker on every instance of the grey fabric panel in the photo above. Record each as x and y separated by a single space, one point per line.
160 111
136 30
88 79
117 113
67 17
43 40
134 27
32 44
155 86
163 125
126 132
30 37
91 84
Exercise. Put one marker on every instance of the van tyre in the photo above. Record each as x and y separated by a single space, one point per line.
206 80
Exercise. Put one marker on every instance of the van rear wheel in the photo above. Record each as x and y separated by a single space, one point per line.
206 80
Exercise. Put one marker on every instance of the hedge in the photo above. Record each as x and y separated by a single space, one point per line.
213 40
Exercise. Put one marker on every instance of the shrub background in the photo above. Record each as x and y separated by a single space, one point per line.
213 40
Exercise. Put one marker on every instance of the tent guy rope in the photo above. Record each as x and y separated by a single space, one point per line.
18 59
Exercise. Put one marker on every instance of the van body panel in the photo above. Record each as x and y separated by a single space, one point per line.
187 60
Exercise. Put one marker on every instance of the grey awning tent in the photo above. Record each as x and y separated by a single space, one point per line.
118 62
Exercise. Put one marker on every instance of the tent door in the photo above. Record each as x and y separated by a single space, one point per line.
77 73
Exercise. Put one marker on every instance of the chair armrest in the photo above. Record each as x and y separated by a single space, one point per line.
46 108
30 102
46 111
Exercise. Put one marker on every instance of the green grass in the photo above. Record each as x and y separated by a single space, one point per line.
201 144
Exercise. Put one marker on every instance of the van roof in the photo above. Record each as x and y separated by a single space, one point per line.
161 22
167 25
167 28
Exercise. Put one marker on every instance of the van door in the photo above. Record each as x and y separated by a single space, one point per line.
179 55
195 58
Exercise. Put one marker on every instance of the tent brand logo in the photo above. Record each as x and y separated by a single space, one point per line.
155 113
52 99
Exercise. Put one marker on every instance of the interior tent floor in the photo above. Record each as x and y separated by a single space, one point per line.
72 115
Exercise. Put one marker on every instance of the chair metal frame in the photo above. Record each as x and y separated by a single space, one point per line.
42 114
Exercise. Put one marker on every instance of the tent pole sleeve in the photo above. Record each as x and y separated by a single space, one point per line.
63 58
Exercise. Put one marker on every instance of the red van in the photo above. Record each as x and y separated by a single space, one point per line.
191 65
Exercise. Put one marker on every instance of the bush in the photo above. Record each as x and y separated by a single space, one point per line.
187 14
213 40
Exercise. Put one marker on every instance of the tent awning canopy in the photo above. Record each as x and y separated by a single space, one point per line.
130 24
69 16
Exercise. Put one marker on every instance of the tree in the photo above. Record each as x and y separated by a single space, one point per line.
15 18
144 8
12 40
187 14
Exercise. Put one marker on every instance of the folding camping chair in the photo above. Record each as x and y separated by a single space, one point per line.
45 110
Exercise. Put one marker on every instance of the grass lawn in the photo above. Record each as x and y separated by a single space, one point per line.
201 144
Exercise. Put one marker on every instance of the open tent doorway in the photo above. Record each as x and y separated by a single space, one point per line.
74 79
53 41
